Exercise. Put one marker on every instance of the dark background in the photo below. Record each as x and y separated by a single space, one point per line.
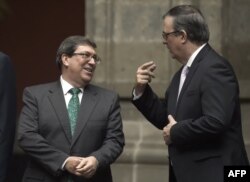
30 33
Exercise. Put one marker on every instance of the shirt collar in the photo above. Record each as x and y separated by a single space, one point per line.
66 86
196 52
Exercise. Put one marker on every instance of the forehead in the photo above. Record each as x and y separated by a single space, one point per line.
85 48
168 23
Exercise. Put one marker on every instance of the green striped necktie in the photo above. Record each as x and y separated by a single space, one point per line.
73 108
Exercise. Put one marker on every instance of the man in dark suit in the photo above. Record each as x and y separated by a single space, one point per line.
7 113
59 149
200 115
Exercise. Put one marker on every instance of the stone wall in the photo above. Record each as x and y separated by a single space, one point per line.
128 33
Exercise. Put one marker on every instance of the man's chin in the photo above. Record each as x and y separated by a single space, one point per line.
86 80
172 56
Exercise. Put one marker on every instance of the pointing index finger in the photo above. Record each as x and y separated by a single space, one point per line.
147 65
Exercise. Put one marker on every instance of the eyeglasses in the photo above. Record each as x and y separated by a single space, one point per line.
87 56
165 35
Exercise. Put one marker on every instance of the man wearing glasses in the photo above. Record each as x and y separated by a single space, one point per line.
71 129
200 115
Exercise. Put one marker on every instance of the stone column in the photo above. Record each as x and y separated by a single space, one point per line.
128 33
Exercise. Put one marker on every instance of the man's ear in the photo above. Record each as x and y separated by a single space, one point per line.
65 60
184 36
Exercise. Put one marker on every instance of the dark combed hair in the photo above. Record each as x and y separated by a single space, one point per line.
190 19
70 44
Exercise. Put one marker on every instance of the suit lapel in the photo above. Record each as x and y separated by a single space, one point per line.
192 71
173 93
187 80
89 100
57 100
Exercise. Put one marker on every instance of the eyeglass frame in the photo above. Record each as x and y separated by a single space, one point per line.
165 35
87 56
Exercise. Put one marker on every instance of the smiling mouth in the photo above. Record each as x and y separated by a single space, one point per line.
89 70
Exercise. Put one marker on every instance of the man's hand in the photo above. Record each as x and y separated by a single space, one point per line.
87 167
144 75
71 164
167 128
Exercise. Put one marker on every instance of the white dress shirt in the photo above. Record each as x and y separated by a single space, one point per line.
66 87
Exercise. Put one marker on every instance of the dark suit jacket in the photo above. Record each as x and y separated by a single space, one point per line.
44 132
7 113
208 134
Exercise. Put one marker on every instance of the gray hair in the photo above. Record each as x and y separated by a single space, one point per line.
190 19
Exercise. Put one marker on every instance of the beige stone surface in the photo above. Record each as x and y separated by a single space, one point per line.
128 33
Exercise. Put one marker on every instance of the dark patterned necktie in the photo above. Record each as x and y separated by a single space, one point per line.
73 108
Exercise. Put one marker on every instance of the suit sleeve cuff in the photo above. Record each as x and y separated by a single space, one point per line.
135 97
63 165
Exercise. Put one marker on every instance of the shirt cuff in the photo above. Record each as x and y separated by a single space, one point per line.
63 165
135 97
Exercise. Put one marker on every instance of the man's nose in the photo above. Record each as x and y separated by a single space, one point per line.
92 60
